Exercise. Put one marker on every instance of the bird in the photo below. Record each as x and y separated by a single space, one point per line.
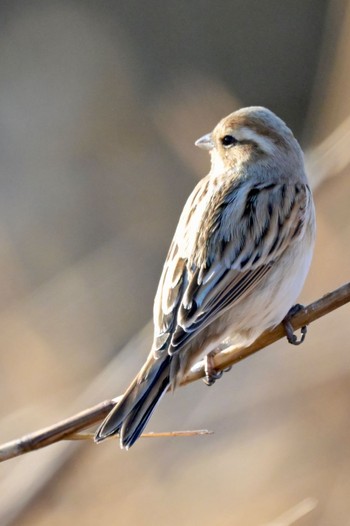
236 265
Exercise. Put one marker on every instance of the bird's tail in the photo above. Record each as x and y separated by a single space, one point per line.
130 416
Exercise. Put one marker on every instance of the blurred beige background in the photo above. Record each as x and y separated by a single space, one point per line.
100 104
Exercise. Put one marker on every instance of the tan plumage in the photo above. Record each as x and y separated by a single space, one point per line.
237 263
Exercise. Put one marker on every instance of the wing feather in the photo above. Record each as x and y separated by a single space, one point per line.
246 232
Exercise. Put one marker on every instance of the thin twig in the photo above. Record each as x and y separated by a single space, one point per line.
150 434
89 417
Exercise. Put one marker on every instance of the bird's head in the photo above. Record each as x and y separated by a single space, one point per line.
253 136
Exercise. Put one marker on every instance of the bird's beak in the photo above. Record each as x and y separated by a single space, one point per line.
205 142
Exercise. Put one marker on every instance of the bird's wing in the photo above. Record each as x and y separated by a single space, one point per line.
236 245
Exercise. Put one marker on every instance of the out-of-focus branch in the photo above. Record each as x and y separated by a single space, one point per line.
85 419
331 157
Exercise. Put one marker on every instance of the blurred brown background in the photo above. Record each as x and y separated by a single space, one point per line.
100 104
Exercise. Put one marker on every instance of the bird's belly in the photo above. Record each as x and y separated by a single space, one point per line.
267 305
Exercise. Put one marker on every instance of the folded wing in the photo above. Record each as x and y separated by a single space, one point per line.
224 264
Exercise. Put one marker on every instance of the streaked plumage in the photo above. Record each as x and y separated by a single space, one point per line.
237 262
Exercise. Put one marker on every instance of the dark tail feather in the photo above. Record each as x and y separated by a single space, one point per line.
132 413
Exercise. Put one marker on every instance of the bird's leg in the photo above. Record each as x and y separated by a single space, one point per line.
288 327
211 374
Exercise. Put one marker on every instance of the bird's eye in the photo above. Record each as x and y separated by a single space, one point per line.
228 140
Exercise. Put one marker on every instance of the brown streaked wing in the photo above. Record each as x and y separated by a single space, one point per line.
273 216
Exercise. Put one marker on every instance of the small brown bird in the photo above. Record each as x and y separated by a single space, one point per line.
236 265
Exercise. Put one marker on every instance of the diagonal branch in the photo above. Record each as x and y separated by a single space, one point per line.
85 419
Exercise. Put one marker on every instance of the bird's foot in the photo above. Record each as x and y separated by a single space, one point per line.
289 329
212 374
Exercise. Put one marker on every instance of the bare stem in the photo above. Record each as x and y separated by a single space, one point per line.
85 419
150 434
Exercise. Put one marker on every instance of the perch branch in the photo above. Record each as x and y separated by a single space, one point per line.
85 419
